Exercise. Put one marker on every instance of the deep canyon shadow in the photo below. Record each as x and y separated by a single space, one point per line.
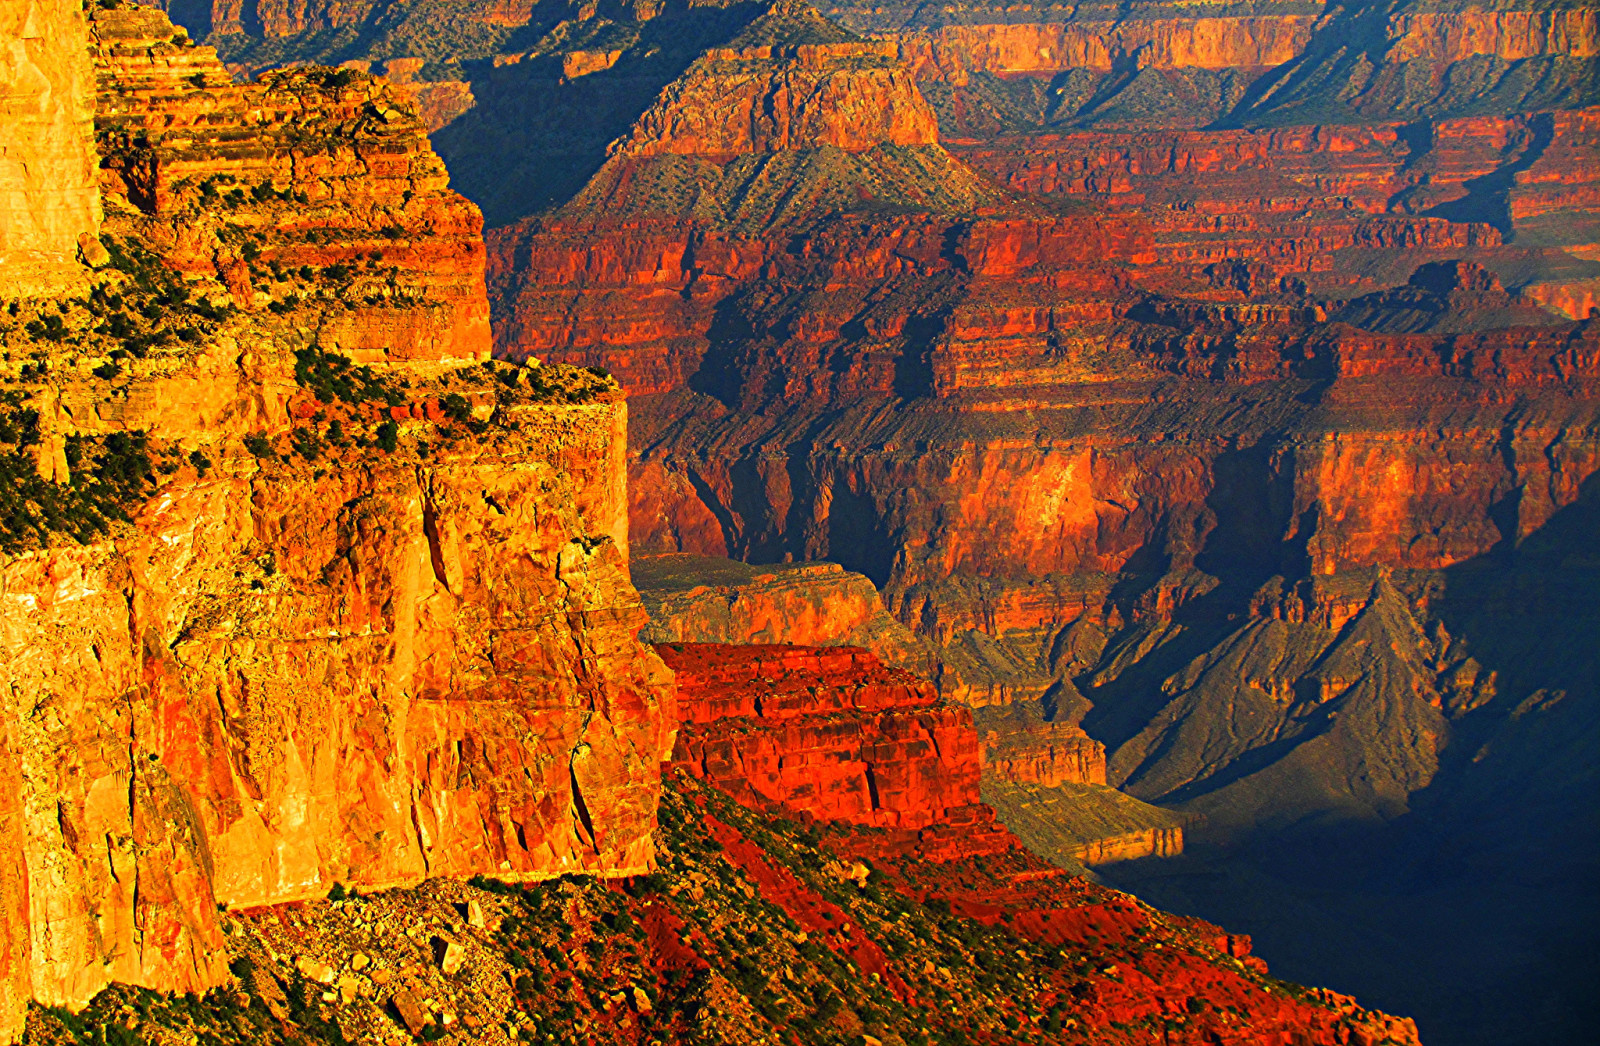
1476 911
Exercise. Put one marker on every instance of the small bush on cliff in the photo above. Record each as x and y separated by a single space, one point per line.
258 444
388 437
334 380
456 408
107 478
306 444
47 328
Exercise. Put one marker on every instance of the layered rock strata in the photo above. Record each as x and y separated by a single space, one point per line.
298 591
698 599
1084 826
832 734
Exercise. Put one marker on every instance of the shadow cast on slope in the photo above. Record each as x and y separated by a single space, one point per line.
536 134
1476 911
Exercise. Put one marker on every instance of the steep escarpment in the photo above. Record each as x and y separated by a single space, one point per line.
832 734
791 80
1272 301
299 589
47 185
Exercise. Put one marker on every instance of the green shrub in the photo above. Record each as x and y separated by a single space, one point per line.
388 437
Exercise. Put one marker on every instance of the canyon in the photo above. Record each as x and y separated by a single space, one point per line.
1204 442
319 625
1200 406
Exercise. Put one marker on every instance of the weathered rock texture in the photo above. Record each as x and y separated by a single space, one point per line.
365 622
47 163
698 599
829 732
322 168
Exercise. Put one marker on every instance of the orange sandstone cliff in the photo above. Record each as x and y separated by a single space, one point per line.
298 590
47 183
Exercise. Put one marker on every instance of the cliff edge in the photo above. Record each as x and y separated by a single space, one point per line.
296 588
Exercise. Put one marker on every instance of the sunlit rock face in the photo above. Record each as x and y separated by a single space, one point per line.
48 198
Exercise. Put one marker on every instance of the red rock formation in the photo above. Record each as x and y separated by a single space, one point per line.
1454 36
1176 39
830 733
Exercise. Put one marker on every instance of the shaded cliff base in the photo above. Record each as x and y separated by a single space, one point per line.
754 930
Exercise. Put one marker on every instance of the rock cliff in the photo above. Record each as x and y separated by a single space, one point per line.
832 734
299 590
47 181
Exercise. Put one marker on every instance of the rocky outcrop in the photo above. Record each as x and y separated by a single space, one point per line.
1083 826
830 733
792 117
328 599
1045 754
771 98
837 918
698 599
1455 36
1175 39
326 168
48 201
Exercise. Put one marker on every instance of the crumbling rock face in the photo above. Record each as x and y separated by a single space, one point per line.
828 732
1046 754
47 182
368 618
